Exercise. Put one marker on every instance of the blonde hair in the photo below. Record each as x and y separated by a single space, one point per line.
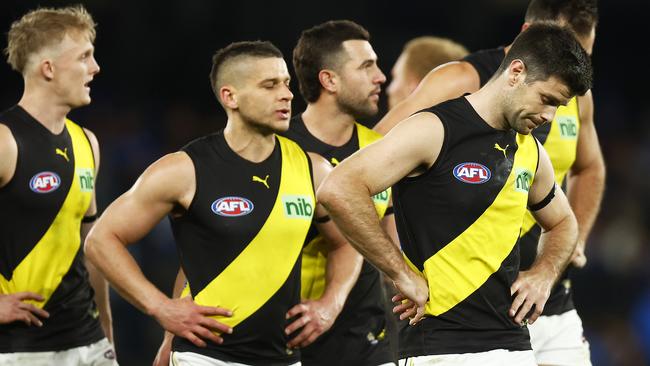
425 53
44 27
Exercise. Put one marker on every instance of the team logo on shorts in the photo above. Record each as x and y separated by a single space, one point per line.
473 173
109 355
45 182
232 206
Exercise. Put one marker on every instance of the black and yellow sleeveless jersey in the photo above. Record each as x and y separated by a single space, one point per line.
240 242
41 209
358 334
459 226
560 140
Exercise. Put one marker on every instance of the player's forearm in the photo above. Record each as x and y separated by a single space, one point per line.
585 192
556 247
389 226
353 212
100 287
342 271
117 265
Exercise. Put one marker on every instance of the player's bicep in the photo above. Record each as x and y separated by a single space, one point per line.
94 145
552 213
410 148
165 184
546 200
588 152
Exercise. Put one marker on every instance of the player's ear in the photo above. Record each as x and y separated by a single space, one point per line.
228 96
328 80
516 72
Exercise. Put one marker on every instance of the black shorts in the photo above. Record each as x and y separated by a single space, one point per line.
359 342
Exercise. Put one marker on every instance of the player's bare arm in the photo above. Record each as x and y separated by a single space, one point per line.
167 186
165 349
9 153
343 268
586 179
389 225
445 82
12 307
558 240
410 148
97 280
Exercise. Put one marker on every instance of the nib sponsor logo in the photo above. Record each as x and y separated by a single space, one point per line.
298 207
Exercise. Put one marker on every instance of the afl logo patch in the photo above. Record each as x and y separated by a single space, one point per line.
45 182
232 206
473 173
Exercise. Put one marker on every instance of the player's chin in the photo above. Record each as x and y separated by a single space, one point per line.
525 128
83 101
281 125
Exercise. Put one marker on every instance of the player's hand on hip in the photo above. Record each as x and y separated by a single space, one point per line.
315 318
13 308
184 318
413 293
530 290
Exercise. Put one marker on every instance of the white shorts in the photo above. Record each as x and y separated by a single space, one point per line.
100 353
195 359
496 357
558 340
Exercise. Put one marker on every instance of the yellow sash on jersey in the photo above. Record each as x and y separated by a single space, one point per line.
42 270
257 273
314 255
561 145
463 265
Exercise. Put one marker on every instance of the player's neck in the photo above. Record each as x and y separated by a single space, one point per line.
249 142
328 124
45 109
486 102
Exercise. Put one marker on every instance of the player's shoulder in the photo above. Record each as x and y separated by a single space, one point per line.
9 153
7 140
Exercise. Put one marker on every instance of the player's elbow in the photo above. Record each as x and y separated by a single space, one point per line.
92 245
595 171
600 171
327 194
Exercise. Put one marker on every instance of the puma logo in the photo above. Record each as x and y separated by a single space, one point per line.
334 162
260 180
496 146
63 153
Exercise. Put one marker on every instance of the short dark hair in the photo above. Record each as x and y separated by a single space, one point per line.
548 49
580 15
256 49
318 48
